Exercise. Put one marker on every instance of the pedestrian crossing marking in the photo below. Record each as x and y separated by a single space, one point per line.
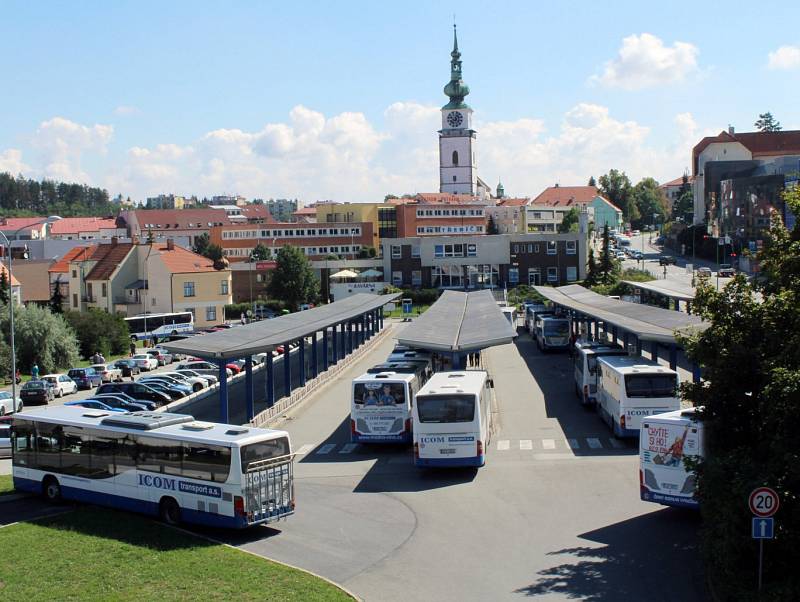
326 449
594 443
548 444
525 444
503 445
573 443
348 448
304 449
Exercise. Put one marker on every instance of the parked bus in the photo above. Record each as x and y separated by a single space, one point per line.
163 464
552 332
531 311
665 442
452 419
585 369
380 410
145 326
633 388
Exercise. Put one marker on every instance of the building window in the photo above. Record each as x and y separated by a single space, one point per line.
534 277
513 275
454 178
74 273
448 276
572 273
223 287
415 252
188 289
551 247
75 300
397 278
416 278
396 251
552 274
211 313
572 247
455 158
530 248
104 289
516 248
438 251
535 248
472 250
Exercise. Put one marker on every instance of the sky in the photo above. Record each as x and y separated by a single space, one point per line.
341 101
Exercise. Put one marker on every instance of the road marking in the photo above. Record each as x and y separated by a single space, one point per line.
348 448
326 449
548 443
594 443
525 444
503 445
616 443
573 444
304 449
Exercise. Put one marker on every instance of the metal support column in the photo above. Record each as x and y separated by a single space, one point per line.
287 369
248 385
614 332
269 380
625 339
325 349
314 355
673 357
654 350
596 331
335 344
302 360
380 318
638 346
223 392
349 337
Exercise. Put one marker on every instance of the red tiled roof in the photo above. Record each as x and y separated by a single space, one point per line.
513 202
75 225
429 198
180 219
563 194
108 257
182 261
20 223
403 201
62 265
761 144
257 212
305 211
676 182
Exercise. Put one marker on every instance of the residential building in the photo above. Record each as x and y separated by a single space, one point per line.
227 199
470 262
437 219
249 280
65 276
173 223
16 286
24 228
317 241
88 228
166 201
605 213
331 213
282 209
546 211
508 215
34 281
672 189
305 215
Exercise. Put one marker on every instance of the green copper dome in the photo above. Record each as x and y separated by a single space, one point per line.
456 89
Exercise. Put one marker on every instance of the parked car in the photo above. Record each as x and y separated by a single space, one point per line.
108 372
169 381
129 367
175 356
195 382
86 378
62 384
726 271
203 367
703 272
172 392
162 357
95 405
147 405
7 405
37 391
667 260
122 404
137 391
145 361
211 379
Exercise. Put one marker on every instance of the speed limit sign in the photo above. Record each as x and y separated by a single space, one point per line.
764 502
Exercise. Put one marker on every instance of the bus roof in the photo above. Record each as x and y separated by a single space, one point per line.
460 381
626 364
387 376
684 416
157 315
403 367
181 427
598 347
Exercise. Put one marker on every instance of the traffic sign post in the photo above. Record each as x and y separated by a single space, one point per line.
763 502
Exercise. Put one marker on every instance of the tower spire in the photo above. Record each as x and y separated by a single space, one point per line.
456 89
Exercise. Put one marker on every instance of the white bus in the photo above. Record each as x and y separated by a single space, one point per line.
552 332
531 311
585 369
381 402
665 442
452 419
633 388
145 326
163 464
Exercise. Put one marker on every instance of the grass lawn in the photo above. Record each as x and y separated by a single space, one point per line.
99 554
397 312
6 486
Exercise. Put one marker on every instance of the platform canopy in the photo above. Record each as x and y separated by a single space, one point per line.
250 339
667 288
459 321
645 321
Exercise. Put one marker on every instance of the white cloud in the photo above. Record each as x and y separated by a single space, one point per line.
11 162
785 57
645 61
127 110
61 144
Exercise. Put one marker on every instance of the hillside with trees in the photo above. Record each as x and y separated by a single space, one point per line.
21 197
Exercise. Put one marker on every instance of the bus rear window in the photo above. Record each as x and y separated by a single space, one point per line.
651 385
446 408
379 394
264 450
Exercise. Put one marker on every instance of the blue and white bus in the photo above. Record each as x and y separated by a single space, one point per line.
163 464
146 326
452 419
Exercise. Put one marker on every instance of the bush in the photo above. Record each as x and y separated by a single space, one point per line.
420 296
523 292
101 331
40 337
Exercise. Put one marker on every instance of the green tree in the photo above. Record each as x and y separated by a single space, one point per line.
767 123
201 244
57 299
491 226
98 330
616 187
591 269
260 253
592 181
293 281
40 337
750 398
650 201
214 253
607 264
569 223
150 237
3 287
683 207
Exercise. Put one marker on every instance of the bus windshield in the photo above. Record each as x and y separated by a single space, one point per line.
651 385
556 328
446 408
379 394
264 450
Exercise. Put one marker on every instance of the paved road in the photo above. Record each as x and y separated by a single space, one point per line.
554 513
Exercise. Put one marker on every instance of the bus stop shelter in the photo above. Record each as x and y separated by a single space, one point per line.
629 323
674 292
459 323
343 326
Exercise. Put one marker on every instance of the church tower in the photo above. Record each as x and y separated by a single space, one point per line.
458 171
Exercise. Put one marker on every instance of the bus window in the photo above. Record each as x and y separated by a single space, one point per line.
207 462
266 450
446 408
379 394
650 385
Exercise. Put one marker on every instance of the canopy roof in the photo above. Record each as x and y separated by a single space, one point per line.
668 288
459 321
266 335
645 321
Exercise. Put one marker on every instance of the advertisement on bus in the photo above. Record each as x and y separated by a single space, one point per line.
380 410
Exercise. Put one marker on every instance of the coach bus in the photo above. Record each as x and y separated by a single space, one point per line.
531 311
146 326
162 464
380 411
632 388
452 419
552 332
585 371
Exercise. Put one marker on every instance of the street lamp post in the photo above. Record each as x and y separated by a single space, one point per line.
52 218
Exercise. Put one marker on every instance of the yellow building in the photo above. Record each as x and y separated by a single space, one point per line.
352 212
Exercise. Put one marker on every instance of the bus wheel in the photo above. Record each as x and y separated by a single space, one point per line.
169 511
51 489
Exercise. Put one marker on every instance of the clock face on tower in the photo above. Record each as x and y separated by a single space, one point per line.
454 119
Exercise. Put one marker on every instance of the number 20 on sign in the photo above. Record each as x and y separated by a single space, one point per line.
764 502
